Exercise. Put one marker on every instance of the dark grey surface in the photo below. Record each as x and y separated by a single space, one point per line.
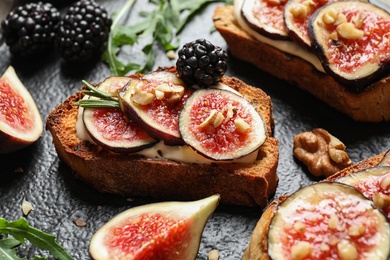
57 196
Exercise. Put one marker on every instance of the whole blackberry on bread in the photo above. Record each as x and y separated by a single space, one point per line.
30 29
201 63
83 31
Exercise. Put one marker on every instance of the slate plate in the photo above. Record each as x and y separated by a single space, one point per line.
35 174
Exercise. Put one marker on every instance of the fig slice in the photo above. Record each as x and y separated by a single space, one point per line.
164 230
20 121
296 18
328 220
154 102
351 39
221 125
266 17
374 183
110 128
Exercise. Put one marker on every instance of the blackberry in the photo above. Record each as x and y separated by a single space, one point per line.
30 29
201 63
83 31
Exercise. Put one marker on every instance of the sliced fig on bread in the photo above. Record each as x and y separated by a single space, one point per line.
328 220
352 41
221 125
266 17
374 183
296 18
154 102
109 127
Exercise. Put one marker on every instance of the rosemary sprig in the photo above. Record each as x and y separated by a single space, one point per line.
104 100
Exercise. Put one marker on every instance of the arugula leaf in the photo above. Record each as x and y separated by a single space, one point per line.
21 230
8 248
160 26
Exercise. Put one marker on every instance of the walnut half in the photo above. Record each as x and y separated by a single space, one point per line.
321 152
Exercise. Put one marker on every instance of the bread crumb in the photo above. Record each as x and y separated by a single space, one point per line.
171 55
213 255
79 222
19 170
26 207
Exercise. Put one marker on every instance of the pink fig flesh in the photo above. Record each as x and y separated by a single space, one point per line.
166 230
20 121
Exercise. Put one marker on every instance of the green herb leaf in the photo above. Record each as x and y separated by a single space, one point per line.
104 100
97 103
21 230
8 247
162 24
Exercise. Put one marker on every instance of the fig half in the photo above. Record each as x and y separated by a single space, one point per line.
328 220
166 230
20 121
110 128
351 39
266 17
221 125
154 102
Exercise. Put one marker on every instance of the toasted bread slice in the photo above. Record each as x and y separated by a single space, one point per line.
258 245
135 175
303 74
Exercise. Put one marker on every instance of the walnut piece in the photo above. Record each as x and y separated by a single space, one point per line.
321 152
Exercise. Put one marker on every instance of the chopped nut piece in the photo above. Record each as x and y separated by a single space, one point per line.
26 207
210 119
159 94
299 226
241 125
347 251
385 182
358 20
218 119
171 93
142 97
213 255
321 152
171 55
309 5
79 222
349 31
230 112
298 11
330 16
333 221
381 201
164 88
356 231
340 19
324 247
300 250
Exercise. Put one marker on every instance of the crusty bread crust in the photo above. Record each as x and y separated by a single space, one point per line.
258 245
371 105
135 175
